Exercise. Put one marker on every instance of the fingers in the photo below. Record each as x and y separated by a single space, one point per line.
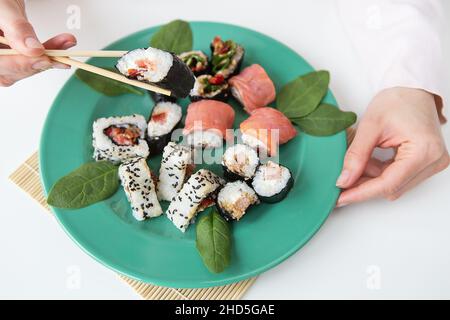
15 68
62 41
359 153
18 31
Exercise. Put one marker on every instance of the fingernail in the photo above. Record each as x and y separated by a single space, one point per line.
41 65
68 45
32 43
58 65
343 178
341 204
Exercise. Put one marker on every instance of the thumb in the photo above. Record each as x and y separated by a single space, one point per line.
18 31
358 154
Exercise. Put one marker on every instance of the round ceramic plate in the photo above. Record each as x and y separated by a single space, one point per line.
155 251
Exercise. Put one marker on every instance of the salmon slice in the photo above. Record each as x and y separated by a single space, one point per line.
269 127
211 115
253 88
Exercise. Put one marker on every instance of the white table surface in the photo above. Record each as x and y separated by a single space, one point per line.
378 249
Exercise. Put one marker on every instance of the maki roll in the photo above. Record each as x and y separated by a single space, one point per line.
176 167
165 117
197 61
119 138
239 162
253 88
139 187
210 87
207 122
272 182
197 194
234 199
158 67
158 97
226 57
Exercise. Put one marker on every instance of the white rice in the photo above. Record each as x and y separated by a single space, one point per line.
185 205
139 187
174 114
106 149
235 198
254 143
241 159
158 61
204 139
175 163
270 179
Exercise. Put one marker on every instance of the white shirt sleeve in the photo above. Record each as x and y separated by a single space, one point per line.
398 42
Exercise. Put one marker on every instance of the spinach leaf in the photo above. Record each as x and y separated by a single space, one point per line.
302 96
105 85
214 241
90 183
325 120
176 37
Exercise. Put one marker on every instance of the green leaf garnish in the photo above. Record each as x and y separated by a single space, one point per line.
176 37
90 183
214 241
325 120
105 85
303 95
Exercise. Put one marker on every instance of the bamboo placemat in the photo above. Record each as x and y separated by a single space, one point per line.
27 178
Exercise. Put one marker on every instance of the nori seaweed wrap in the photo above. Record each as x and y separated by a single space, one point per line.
197 61
226 57
210 87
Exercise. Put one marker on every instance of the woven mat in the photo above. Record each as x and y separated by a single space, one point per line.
27 178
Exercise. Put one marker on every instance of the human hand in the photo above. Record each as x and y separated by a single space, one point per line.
404 119
21 36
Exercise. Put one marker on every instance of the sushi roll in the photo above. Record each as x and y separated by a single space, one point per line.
119 138
239 162
226 57
197 61
272 182
176 167
210 87
207 122
197 194
165 117
253 88
158 67
234 199
266 129
158 97
139 187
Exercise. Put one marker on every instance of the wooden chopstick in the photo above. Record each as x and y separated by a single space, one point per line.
72 53
104 73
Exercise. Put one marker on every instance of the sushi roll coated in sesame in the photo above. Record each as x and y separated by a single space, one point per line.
239 162
165 117
226 57
158 67
197 194
197 61
176 167
210 87
139 187
234 199
119 138
272 182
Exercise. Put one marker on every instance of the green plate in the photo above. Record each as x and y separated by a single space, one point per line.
155 251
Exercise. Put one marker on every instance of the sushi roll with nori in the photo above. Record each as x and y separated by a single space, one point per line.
197 194
239 162
119 138
272 182
226 57
197 61
165 117
158 97
158 67
210 87
139 187
176 167
234 199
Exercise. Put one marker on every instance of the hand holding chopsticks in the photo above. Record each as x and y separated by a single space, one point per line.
62 56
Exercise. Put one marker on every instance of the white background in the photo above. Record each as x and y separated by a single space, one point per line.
378 249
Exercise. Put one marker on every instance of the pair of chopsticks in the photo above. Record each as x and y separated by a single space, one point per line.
63 57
